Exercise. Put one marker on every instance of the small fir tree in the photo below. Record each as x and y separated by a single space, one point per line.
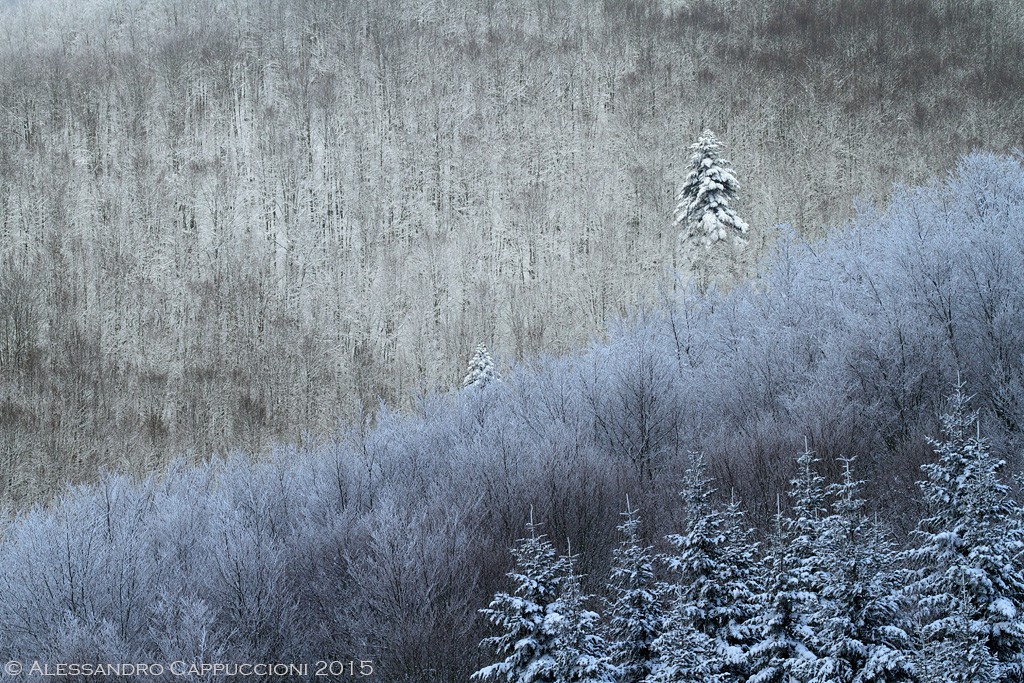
716 590
687 656
969 578
742 577
634 609
582 655
781 653
528 618
964 657
805 525
481 371
787 633
864 630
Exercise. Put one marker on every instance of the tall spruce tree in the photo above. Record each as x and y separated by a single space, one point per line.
864 630
969 579
481 371
711 232
634 609
528 618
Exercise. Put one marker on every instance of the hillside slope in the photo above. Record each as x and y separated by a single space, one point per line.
384 543
226 225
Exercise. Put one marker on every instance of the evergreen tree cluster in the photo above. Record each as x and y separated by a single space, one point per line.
831 599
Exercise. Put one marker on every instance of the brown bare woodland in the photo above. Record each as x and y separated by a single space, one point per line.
225 228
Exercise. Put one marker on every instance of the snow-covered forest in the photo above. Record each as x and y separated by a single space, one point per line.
237 223
385 542
632 341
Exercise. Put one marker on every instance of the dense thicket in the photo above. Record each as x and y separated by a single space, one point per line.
383 543
223 224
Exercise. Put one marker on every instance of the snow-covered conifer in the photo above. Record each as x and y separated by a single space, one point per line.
964 657
634 609
864 630
528 618
708 225
742 564
783 648
787 646
969 576
702 205
687 656
805 525
481 371
716 590
582 655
